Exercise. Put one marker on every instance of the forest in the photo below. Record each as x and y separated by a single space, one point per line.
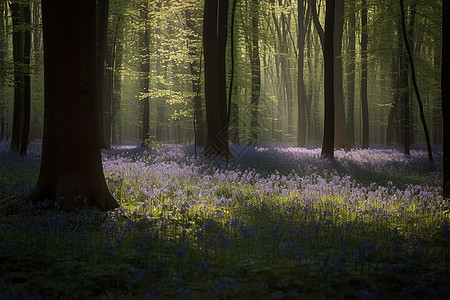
224 149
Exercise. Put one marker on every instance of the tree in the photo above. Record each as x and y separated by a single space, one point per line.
214 44
327 40
102 27
194 49
301 90
364 104
71 168
414 81
445 89
144 45
256 71
21 16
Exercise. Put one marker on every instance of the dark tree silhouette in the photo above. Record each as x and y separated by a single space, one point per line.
327 40
214 43
414 81
71 168
21 16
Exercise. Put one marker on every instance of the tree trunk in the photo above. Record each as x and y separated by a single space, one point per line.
21 16
144 45
256 72
101 27
364 104
214 42
71 171
445 86
340 127
328 54
195 67
301 90
414 81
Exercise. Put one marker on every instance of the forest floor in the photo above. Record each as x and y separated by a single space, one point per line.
275 223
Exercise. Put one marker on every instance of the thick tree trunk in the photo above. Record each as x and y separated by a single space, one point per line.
214 42
101 27
328 54
71 167
364 104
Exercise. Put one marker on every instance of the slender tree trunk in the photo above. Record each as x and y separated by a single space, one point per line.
364 104
445 88
195 66
21 15
301 90
144 44
414 81
232 88
71 168
256 72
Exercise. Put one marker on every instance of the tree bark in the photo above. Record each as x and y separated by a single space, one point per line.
144 44
364 104
214 42
301 90
328 54
195 67
21 16
102 29
71 171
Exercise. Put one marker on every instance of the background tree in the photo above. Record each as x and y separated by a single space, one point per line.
301 90
256 71
21 16
71 167
414 81
364 104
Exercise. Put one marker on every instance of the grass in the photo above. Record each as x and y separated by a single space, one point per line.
277 223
